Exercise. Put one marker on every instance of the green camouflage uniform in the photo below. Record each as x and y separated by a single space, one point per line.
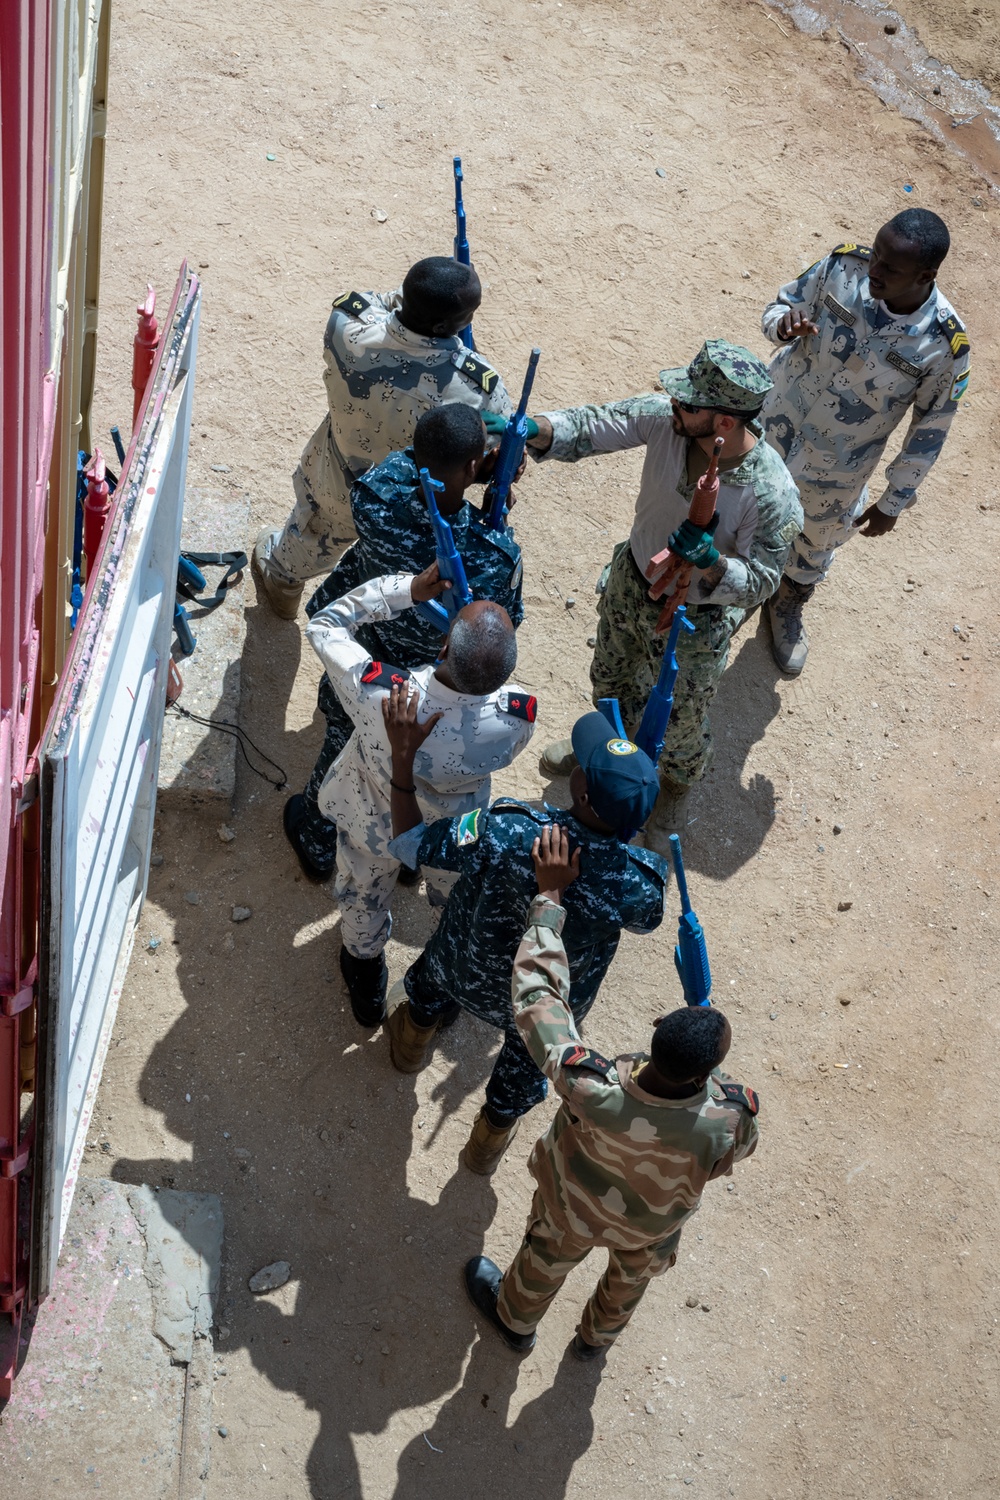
759 516
619 1168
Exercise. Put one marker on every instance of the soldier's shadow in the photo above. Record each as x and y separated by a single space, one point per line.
470 1437
730 818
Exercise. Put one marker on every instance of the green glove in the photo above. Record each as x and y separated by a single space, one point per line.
694 543
496 425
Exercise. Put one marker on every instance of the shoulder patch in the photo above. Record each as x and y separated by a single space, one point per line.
582 1057
477 370
353 303
378 674
863 252
467 831
959 386
741 1093
521 705
956 335
517 573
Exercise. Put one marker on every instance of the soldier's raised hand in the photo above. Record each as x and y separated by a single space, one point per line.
554 870
428 584
403 729
795 325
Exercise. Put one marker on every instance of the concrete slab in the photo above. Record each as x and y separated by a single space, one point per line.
114 1395
198 764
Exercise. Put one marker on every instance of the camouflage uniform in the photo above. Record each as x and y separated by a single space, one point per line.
395 536
468 960
618 1167
476 736
759 515
839 395
380 377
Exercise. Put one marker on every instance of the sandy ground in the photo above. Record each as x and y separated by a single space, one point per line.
848 1339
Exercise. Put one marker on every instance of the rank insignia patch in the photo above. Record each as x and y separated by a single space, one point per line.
378 675
353 302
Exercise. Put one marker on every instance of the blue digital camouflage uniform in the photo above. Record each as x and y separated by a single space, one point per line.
469 959
838 396
380 378
395 536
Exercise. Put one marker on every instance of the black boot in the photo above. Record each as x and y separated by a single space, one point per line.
482 1282
366 980
316 868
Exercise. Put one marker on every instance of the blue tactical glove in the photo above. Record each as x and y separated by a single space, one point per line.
694 543
496 425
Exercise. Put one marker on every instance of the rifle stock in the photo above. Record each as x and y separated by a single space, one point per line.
441 612
691 953
510 453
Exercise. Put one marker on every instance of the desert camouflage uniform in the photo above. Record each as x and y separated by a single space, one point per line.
839 395
395 535
380 377
468 960
759 515
476 736
618 1167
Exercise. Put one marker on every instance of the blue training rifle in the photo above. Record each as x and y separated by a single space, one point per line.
690 955
656 715
441 612
510 454
462 252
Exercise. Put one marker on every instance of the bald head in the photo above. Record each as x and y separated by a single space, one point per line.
481 648
440 297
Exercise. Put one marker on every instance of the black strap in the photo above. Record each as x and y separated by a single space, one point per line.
234 564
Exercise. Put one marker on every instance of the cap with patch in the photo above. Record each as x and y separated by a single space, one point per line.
720 375
622 782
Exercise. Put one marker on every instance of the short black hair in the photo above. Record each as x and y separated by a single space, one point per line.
686 1043
438 288
482 651
447 437
927 234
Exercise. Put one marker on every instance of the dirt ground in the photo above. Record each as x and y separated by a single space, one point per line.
847 1342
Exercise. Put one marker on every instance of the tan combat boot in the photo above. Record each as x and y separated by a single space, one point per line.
669 814
789 642
409 1043
558 759
284 598
486 1145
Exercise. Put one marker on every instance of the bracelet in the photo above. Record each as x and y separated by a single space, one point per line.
397 788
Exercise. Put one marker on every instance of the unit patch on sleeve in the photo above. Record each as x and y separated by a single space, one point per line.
468 828
521 705
959 386
376 674
476 369
582 1057
353 303
741 1093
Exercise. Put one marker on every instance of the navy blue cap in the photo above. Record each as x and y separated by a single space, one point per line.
622 782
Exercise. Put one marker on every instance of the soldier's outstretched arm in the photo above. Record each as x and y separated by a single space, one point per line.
794 310
580 431
330 632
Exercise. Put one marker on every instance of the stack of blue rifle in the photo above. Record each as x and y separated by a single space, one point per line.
691 953
510 454
441 612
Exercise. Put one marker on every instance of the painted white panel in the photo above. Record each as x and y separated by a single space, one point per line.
99 770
